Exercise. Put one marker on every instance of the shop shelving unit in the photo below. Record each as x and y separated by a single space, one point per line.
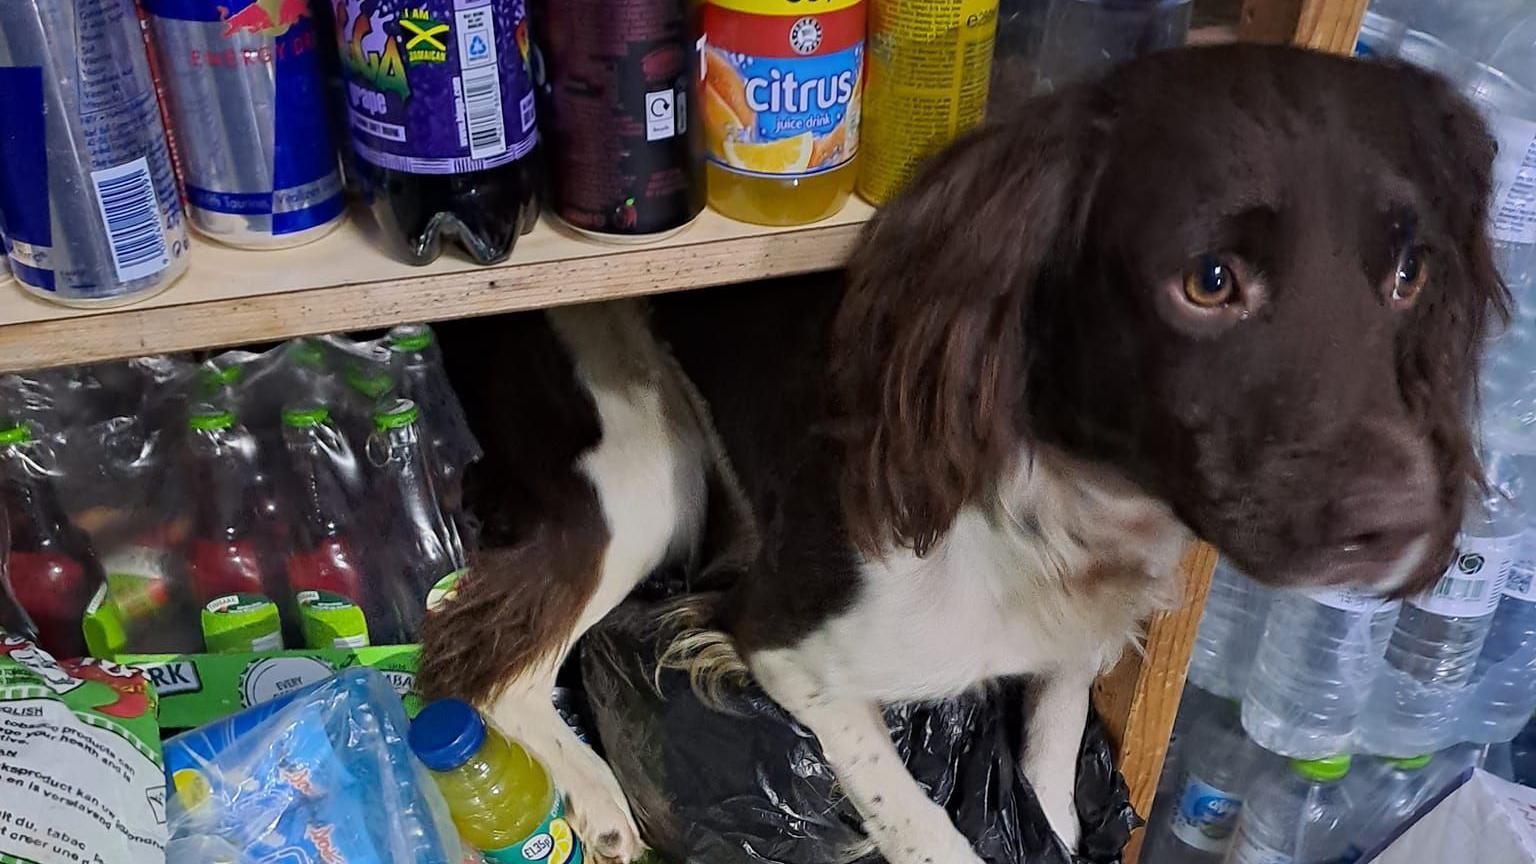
343 283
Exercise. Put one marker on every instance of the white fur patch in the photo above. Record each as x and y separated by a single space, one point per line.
1403 568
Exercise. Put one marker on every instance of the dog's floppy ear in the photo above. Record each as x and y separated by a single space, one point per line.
928 349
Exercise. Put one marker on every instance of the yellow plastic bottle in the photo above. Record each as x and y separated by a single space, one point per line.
500 797
929 69
782 85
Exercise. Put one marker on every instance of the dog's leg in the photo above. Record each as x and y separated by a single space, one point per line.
906 826
1053 738
598 809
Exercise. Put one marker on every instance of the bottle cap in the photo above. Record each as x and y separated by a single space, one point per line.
210 418
306 352
372 384
305 416
410 337
216 377
14 433
400 413
446 734
1412 763
1322 770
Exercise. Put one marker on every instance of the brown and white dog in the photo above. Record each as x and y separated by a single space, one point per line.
1231 292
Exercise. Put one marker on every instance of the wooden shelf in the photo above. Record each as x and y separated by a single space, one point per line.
344 282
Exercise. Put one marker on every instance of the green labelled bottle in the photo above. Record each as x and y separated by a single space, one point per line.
331 621
423 542
500 797
241 623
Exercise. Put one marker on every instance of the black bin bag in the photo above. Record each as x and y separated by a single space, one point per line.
751 786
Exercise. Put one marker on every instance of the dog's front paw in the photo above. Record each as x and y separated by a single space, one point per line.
1064 822
600 814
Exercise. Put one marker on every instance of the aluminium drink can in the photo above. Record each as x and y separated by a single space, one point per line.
88 200
619 83
246 95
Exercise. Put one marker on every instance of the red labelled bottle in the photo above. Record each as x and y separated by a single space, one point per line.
226 555
53 570
322 477
442 118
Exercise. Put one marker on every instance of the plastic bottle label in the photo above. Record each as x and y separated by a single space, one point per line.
929 69
1248 850
782 85
438 86
1346 599
1471 587
553 842
1522 573
1514 181
1206 816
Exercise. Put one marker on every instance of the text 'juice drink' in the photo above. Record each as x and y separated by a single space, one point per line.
782 85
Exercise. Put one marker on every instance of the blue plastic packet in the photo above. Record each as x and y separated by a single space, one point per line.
321 778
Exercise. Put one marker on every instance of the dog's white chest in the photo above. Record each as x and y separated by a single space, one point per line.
925 628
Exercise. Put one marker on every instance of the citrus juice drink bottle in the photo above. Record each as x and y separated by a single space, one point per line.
781 106
500 797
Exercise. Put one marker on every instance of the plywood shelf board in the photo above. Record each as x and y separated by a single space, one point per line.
343 283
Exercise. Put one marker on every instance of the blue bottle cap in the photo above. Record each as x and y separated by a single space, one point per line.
446 734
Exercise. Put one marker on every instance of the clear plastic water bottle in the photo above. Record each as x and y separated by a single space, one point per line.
1504 89
1297 814
1414 704
1321 650
1502 694
1234 618
1209 798
1387 793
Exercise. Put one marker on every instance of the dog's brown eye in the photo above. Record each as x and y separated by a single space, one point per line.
1411 274
1209 283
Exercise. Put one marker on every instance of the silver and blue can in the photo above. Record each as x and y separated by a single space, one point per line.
249 112
88 201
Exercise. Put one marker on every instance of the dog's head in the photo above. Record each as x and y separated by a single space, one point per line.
1251 280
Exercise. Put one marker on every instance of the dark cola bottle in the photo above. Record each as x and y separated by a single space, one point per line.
441 105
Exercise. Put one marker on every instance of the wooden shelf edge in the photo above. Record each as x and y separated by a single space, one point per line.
626 272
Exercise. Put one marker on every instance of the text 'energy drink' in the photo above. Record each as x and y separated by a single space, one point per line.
248 110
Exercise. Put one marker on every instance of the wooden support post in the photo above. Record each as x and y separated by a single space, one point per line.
1140 698
1324 25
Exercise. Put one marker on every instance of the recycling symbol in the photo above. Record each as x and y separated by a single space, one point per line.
477 47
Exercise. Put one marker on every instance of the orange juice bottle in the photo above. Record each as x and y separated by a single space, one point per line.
782 81
500 797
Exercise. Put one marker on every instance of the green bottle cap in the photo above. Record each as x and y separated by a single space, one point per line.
1412 763
210 418
371 383
398 414
305 416
16 433
306 352
1322 770
410 337
240 623
217 377
331 621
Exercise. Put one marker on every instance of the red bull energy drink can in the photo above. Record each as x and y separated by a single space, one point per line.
88 202
249 114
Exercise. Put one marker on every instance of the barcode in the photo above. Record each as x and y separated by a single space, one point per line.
1470 590
131 214
482 114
